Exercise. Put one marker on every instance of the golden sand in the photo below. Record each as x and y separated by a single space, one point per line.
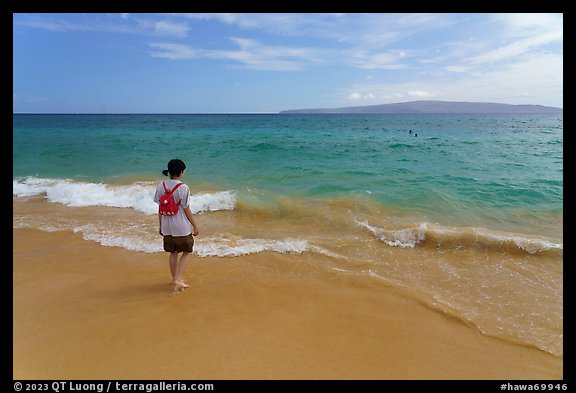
84 311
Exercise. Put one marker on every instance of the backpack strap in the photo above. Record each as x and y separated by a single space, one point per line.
174 189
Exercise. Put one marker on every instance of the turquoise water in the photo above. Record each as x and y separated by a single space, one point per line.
481 169
467 216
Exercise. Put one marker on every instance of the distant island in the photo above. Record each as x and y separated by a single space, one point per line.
429 107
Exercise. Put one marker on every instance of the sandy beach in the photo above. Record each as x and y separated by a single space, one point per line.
83 311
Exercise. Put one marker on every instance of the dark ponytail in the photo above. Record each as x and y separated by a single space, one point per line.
175 168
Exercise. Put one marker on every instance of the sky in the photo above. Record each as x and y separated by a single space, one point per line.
266 63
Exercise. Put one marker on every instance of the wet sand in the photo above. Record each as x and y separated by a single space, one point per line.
84 311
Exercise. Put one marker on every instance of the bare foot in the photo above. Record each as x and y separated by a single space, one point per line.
180 284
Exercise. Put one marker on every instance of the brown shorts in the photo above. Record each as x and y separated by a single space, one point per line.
178 243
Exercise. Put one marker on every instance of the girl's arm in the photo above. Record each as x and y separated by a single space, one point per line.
190 217
159 222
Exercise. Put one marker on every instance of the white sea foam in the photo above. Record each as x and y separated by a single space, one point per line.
398 238
137 196
137 239
530 245
224 247
113 239
460 237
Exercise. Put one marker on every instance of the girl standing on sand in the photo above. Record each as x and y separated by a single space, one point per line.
178 229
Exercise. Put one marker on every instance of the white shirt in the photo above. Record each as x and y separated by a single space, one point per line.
178 224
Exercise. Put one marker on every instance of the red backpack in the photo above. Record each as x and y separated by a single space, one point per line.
167 206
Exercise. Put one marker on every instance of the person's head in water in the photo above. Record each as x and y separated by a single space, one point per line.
175 168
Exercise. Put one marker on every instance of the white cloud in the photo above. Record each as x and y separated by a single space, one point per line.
517 48
164 28
358 96
457 68
528 24
387 92
518 52
537 79
173 51
542 75
102 23
286 24
390 60
420 93
474 57
171 29
61 24
47 23
251 54
511 36
359 30
254 55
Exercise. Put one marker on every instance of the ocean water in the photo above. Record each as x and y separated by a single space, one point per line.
464 212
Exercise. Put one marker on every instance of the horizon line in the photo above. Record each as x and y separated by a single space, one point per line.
266 113
274 112
145 113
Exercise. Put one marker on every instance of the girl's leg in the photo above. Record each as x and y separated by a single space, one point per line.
173 262
180 270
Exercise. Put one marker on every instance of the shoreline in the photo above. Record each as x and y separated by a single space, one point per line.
84 311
